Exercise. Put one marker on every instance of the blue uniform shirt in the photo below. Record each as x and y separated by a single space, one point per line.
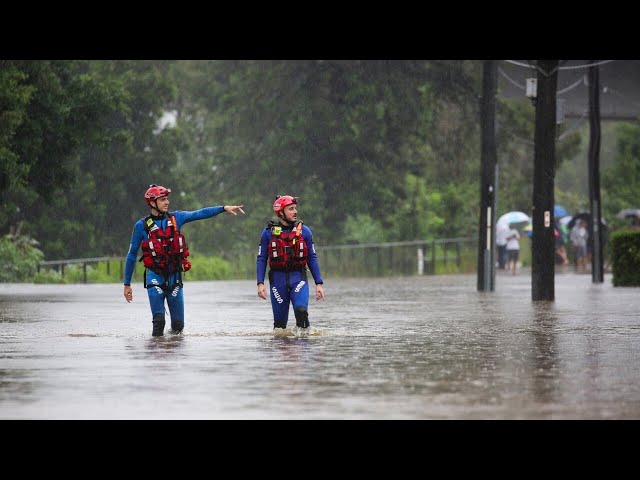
263 253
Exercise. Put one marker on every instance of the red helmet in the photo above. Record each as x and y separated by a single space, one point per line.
156 191
282 201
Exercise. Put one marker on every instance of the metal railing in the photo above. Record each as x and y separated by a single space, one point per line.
416 257
60 264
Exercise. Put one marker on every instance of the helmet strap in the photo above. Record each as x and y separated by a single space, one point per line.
155 208
283 218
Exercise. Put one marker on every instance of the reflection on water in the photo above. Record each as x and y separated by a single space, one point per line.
545 379
165 344
404 348
292 357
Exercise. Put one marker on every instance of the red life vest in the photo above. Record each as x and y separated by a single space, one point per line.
166 250
287 250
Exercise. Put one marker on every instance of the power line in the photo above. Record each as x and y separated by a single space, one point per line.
575 67
522 87
527 65
571 87
570 67
511 80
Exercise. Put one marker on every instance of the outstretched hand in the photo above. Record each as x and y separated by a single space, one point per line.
232 209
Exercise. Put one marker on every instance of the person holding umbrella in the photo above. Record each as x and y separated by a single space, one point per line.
501 244
579 235
513 248
633 214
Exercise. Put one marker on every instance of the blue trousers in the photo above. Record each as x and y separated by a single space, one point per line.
158 296
287 287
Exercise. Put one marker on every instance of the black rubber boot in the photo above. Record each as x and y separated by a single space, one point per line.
158 325
302 317
176 326
279 324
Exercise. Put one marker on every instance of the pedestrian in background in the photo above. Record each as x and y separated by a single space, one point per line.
579 238
513 248
501 244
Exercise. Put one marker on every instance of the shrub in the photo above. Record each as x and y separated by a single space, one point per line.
49 276
625 258
208 268
19 258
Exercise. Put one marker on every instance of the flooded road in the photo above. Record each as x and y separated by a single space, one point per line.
428 347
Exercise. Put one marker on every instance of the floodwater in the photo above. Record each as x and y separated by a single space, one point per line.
428 347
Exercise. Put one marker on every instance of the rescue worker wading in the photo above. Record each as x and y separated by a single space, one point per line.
164 255
288 247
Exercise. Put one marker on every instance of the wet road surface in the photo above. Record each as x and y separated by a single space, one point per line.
428 347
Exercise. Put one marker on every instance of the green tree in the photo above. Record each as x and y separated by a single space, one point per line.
55 110
621 180
122 152
342 135
14 100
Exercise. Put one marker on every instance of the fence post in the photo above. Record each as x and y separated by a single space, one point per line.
433 257
84 271
420 261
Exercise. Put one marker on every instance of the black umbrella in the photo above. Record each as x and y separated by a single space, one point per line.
628 213
583 216
587 216
578 216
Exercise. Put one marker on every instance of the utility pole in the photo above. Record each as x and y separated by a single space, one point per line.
544 170
486 230
595 230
